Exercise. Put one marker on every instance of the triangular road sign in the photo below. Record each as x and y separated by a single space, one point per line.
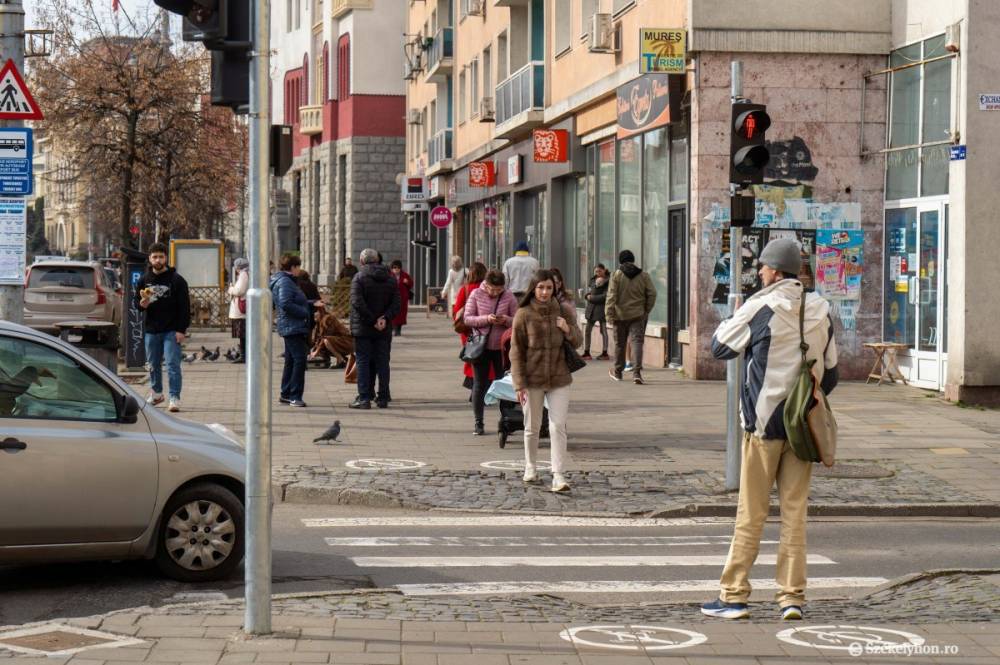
16 102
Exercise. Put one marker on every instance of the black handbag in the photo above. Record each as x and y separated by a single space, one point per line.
573 360
475 346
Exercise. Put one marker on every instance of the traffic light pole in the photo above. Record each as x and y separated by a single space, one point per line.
257 618
12 48
734 368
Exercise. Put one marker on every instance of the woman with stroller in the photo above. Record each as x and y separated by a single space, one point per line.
489 311
540 373
477 273
597 294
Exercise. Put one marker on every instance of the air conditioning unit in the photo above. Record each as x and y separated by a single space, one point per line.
475 7
487 110
602 34
414 117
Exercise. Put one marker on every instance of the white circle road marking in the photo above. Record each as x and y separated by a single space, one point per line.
633 638
514 465
842 638
384 464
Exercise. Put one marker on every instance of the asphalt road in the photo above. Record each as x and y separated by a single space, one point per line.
321 548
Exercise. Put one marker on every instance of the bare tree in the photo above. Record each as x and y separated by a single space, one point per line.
131 113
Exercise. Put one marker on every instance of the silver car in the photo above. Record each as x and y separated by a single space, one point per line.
89 471
58 291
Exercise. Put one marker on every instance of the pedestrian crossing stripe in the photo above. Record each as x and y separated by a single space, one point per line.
562 561
617 586
510 520
16 102
533 541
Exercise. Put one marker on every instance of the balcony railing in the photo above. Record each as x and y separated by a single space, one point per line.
341 7
523 91
311 120
439 57
439 148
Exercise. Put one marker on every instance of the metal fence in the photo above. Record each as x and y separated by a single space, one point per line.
210 305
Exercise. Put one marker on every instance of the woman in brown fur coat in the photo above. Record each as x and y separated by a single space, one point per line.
540 374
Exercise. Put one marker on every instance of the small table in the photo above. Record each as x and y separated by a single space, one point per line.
885 366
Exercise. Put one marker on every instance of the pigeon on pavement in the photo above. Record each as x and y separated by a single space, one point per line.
205 353
214 355
330 434
190 357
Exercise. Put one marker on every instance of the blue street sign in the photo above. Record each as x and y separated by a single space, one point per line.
957 153
16 153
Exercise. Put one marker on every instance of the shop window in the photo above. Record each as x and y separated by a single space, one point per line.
629 193
655 221
606 204
678 165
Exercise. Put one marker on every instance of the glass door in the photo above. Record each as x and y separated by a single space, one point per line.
677 303
915 312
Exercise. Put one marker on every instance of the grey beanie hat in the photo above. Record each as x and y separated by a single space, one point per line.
240 264
783 254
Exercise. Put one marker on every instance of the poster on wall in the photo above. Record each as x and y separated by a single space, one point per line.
13 235
807 241
839 263
754 241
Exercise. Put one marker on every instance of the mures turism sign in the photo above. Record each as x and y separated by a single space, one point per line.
661 51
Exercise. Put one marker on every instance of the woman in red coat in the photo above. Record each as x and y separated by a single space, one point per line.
405 283
477 273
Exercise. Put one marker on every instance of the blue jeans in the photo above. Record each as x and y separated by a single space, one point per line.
293 375
160 346
373 354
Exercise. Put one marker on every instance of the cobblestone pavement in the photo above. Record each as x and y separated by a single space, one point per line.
672 425
611 491
954 609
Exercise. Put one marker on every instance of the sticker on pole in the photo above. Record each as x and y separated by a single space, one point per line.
854 639
514 465
384 464
633 638
16 102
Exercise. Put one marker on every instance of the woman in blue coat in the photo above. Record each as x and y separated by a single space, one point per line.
294 323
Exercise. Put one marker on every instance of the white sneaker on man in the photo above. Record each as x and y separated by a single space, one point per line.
530 474
175 405
154 398
559 483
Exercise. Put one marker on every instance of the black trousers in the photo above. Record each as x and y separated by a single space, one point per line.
481 379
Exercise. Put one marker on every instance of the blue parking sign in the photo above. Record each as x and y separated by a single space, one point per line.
16 154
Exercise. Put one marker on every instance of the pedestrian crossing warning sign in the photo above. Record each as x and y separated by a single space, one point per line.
16 102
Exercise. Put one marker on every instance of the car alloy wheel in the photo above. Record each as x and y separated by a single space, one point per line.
201 536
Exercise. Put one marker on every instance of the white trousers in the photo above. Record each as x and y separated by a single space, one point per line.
558 399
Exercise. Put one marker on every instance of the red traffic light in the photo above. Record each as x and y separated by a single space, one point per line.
134 230
750 124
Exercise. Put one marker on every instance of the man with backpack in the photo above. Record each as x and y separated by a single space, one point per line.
767 329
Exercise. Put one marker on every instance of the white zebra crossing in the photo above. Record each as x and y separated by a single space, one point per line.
562 561
615 586
532 541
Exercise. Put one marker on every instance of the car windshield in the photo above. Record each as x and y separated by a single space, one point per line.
66 276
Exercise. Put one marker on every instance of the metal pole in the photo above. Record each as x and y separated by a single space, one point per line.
734 368
12 47
257 619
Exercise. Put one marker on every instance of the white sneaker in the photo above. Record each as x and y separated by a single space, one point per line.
559 483
175 405
154 398
530 474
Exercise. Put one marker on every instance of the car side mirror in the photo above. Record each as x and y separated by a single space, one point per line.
129 413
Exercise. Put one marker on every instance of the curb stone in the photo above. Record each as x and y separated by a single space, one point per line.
927 575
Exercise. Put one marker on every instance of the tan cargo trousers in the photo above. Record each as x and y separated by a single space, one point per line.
764 462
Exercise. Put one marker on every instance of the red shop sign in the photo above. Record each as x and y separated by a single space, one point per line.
441 217
551 145
482 174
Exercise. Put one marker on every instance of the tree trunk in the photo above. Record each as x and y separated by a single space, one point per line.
127 176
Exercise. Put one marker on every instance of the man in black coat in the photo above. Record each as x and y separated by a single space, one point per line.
374 303
163 296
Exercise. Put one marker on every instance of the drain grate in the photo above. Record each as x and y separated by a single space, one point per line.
61 640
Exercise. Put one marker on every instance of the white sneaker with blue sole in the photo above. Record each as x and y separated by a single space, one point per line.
791 613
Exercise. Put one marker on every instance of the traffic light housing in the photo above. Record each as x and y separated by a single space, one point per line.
204 20
748 156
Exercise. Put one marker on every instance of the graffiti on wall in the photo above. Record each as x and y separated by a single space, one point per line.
791 162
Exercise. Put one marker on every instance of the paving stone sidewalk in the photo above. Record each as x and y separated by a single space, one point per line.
632 448
957 610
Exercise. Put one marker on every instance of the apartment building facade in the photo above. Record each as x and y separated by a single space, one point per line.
531 120
337 82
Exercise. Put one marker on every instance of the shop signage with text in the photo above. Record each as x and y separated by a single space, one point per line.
648 102
551 145
482 174
514 170
441 217
661 51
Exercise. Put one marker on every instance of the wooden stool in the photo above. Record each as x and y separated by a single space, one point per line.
885 366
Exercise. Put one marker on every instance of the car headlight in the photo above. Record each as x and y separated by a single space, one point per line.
226 433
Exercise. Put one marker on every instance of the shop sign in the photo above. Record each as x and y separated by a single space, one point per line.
661 51
957 153
490 216
551 145
650 101
414 189
482 174
514 170
441 217
989 102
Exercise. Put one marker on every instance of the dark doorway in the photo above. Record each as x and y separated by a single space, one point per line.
677 304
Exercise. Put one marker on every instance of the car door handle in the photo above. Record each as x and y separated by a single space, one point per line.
12 444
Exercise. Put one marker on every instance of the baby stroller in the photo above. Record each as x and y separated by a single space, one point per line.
511 413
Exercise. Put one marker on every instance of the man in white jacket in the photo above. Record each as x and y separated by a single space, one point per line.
519 269
766 329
